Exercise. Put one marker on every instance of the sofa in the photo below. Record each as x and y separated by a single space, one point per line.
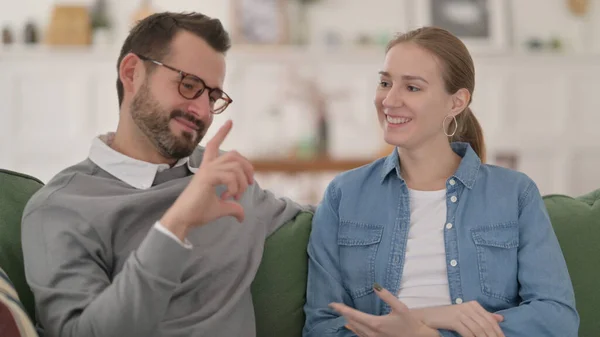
279 287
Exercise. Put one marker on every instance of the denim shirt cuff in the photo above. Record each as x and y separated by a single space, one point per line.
448 333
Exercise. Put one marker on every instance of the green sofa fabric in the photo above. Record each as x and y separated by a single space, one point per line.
279 288
15 191
576 222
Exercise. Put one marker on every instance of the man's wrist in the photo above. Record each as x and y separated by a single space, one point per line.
175 226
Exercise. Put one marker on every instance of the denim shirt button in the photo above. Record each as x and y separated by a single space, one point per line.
452 182
458 301
449 226
453 263
453 198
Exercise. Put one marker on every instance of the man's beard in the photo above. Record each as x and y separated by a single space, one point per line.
154 123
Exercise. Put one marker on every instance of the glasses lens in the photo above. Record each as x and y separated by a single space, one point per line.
220 105
219 100
190 86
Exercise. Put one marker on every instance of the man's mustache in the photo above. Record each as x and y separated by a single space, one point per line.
188 117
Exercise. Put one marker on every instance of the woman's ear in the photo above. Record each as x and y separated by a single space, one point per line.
129 72
460 101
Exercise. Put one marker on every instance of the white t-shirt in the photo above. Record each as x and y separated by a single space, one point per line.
425 278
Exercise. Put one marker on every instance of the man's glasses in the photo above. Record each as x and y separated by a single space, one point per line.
192 86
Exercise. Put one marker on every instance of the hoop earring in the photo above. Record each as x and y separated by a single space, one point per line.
455 126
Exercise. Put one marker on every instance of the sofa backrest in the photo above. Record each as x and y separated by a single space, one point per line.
576 222
279 288
15 191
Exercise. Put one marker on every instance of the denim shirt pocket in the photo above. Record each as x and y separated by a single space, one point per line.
497 247
358 244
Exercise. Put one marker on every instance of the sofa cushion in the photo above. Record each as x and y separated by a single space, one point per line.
576 222
279 289
15 191
14 321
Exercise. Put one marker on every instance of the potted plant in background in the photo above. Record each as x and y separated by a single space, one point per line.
101 25
300 23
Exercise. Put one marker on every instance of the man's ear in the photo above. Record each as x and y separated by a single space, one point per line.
129 71
460 101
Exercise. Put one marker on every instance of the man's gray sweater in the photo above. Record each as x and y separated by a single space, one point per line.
98 266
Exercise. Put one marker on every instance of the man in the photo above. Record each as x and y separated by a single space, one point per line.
153 235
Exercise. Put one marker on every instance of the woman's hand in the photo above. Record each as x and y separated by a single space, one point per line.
400 322
468 319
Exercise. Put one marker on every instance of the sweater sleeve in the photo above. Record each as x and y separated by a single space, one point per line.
273 211
68 268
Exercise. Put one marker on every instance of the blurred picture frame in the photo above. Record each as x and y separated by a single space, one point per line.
260 22
483 25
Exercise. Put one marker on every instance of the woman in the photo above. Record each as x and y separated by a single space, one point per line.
459 247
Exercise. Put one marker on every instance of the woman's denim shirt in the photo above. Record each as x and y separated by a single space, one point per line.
501 250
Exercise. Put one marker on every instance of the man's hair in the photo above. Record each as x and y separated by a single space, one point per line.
152 37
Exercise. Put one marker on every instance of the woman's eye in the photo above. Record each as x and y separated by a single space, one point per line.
384 84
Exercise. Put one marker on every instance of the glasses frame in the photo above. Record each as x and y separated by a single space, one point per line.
184 75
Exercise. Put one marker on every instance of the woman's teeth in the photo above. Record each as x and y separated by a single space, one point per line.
397 120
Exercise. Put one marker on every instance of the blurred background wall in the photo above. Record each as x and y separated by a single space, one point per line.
300 66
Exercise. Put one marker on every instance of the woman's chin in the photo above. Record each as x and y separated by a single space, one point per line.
396 140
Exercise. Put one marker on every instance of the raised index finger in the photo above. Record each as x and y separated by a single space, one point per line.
213 145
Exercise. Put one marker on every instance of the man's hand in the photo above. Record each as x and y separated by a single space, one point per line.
399 323
198 204
468 319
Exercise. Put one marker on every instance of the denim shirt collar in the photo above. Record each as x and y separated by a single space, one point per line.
466 172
